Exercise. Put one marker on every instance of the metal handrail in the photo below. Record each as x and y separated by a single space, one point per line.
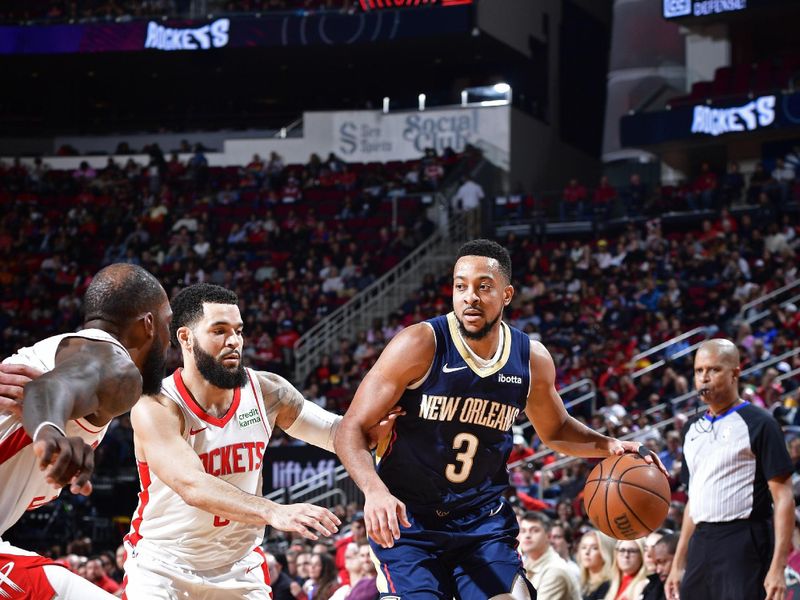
575 385
765 313
581 399
592 395
283 132
770 361
322 499
787 375
674 402
668 343
568 460
312 338
761 299
662 362
384 295
420 250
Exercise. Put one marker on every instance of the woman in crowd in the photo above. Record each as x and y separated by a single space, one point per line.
596 559
629 570
323 579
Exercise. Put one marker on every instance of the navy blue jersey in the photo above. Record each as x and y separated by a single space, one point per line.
449 451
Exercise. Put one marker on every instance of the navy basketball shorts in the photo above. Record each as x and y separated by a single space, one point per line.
468 557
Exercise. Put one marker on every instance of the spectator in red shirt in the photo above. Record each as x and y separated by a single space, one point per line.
287 336
520 450
358 535
291 192
346 180
573 199
97 575
726 223
256 165
704 189
603 198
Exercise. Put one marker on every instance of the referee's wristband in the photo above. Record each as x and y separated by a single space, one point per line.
47 424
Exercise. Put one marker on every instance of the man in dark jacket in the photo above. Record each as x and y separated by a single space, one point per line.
280 582
663 552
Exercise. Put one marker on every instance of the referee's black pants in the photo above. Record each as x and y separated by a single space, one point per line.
728 561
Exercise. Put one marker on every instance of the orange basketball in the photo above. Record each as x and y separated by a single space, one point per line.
625 497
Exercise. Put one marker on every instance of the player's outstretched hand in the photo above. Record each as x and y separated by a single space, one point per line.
12 382
619 448
381 429
65 460
383 515
306 519
775 584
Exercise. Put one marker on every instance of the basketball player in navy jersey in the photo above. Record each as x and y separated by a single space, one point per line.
434 509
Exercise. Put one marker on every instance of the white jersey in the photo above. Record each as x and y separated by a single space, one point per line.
22 483
232 448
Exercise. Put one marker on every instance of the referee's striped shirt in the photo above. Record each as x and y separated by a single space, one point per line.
727 462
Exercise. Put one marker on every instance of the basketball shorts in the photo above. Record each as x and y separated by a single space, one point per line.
469 557
148 577
28 576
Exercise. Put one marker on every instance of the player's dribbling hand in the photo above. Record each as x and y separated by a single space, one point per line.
65 460
651 458
12 383
306 519
383 515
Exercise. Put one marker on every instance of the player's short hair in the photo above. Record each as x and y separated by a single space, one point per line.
537 517
121 293
489 249
187 305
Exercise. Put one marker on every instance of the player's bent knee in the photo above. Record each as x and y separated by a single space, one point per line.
521 590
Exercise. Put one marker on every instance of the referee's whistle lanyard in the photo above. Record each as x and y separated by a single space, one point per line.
734 408
706 424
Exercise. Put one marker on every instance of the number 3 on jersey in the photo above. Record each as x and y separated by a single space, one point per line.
459 472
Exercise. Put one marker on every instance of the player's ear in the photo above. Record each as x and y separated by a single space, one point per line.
185 338
148 325
508 294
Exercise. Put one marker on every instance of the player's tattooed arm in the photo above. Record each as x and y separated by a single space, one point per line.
282 400
300 418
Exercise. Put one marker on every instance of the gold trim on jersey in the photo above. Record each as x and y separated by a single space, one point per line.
383 445
452 323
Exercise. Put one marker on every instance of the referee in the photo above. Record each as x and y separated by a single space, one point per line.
736 466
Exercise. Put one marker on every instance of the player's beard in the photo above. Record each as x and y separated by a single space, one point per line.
153 369
216 373
481 333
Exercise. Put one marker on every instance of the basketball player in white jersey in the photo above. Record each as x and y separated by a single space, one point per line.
89 378
199 445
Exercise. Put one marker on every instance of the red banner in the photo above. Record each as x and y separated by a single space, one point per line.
384 4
